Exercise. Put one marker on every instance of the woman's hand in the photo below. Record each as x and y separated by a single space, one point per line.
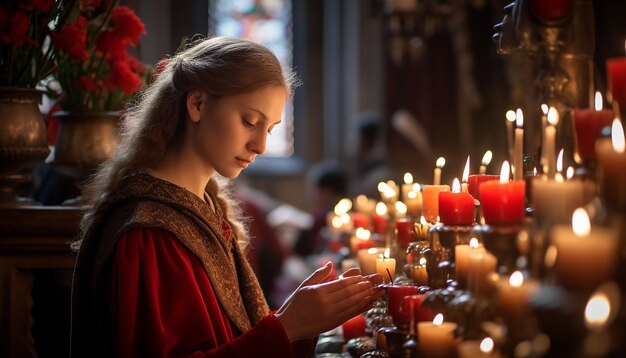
322 303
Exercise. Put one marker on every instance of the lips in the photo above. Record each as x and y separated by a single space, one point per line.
244 162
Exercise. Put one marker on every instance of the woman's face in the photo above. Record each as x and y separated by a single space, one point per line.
232 131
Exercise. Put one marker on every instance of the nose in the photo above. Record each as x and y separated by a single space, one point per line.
258 143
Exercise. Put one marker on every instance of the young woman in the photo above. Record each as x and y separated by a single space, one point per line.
160 269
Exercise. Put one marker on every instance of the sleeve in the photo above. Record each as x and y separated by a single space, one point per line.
161 304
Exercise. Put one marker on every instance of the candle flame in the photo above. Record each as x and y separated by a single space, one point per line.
466 170
362 233
553 116
411 195
617 136
336 222
441 161
422 261
343 206
417 187
345 218
580 222
559 161
535 171
516 279
387 253
487 158
381 209
438 320
408 178
372 250
544 108
386 190
519 118
401 207
505 172
570 172
550 259
597 311
473 243
598 101
510 115
423 220
456 186
486 345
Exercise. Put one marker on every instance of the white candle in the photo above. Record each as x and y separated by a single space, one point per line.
554 202
549 142
436 338
386 267
514 294
478 349
586 256
414 201
480 265
461 258
510 119
441 161
544 123
519 147
367 259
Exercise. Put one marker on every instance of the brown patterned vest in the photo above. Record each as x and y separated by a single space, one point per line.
146 201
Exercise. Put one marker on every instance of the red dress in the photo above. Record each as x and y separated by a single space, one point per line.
162 304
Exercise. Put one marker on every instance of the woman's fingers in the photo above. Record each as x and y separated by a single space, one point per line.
354 271
319 276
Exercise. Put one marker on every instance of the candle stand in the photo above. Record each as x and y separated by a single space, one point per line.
502 242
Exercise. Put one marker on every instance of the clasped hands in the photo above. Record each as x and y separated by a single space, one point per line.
323 302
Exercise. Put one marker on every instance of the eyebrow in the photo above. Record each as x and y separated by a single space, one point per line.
263 116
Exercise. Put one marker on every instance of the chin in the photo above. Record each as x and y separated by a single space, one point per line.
230 174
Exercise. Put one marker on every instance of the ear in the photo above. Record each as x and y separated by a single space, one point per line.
195 100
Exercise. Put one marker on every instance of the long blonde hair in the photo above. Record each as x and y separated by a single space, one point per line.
219 66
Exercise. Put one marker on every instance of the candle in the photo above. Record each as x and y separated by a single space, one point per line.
586 256
612 169
465 176
485 162
474 180
400 209
456 207
478 349
480 265
404 232
430 205
386 267
514 296
436 338
388 191
549 142
407 186
395 298
413 201
354 327
461 262
616 78
441 161
510 119
360 220
420 273
544 123
365 205
380 219
413 304
503 201
367 259
360 240
587 127
550 10
518 165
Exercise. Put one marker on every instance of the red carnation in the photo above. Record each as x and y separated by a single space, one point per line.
41 5
127 24
14 28
122 75
111 43
73 39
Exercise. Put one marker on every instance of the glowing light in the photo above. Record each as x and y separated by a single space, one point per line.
441 161
411 195
400 207
336 222
381 209
343 206
362 233
423 220
505 172
438 320
559 161
423 261
510 115
372 250
417 187
597 311
598 101
487 158
466 170
570 173
544 108
617 136
345 218
486 345
473 243
387 253
553 116
580 222
408 178
386 190
456 186
516 279
519 118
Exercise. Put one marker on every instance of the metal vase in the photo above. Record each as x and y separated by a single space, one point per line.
85 140
23 140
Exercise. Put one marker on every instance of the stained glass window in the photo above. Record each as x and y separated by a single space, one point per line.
267 22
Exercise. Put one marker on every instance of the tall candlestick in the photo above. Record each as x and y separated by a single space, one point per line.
441 161
544 123
518 165
510 119
549 141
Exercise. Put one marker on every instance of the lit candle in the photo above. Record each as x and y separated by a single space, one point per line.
616 76
365 205
478 349
367 259
436 338
430 205
420 273
420 313
400 209
404 232
380 219
510 119
441 161
586 256
549 142
544 123
598 311
514 296
587 127
395 299
407 187
361 240
479 266
414 201
354 327
518 165
485 162
461 264
465 176
503 201
388 191
474 180
360 220
386 266
456 207
612 168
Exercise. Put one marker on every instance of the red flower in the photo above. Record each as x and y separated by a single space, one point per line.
73 39
41 5
14 28
87 83
111 43
122 75
89 5
127 25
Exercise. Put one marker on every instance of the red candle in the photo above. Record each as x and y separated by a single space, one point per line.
354 327
474 180
413 304
587 127
616 76
395 297
404 232
456 207
550 10
360 220
503 200
379 219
